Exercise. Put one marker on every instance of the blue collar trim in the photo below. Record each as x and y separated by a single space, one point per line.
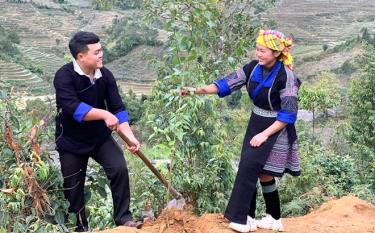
267 82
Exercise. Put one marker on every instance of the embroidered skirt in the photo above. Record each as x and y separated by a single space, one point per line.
283 157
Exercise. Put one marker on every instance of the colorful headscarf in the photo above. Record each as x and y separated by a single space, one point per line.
277 41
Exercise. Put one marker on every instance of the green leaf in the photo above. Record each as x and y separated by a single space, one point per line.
59 217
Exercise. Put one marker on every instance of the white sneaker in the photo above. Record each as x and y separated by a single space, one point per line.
269 222
239 227
252 223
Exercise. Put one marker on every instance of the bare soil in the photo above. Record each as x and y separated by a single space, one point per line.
346 215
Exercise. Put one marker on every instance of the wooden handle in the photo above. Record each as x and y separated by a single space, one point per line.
140 154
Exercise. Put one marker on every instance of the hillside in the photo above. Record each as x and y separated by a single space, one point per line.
323 22
46 32
22 80
133 70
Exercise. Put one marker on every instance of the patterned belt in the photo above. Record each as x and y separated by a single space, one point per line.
264 113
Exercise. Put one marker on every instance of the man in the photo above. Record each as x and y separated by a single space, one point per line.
89 108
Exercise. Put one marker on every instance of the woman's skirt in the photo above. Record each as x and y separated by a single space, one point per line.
283 157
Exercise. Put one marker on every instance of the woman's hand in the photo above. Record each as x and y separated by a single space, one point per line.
187 91
258 139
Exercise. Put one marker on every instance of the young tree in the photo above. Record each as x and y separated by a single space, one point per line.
322 94
208 38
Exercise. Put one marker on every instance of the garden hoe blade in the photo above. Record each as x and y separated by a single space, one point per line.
179 201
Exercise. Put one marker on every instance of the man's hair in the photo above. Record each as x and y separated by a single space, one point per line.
79 42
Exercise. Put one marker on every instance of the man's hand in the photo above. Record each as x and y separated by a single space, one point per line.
258 139
135 145
125 132
111 121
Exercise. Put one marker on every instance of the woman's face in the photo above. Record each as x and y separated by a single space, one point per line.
266 56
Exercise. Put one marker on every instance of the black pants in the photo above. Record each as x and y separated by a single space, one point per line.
110 156
251 165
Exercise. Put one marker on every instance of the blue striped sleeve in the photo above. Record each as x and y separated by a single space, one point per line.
122 117
223 87
81 111
287 117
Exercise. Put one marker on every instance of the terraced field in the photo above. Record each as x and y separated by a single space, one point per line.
318 22
52 28
315 23
329 62
50 4
134 66
137 88
79 3
98 21
22 80
43 30
133 70
37 27
49 62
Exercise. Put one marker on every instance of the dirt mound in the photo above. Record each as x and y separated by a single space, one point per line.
348 214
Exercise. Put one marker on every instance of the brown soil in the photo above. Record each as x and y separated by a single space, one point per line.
348 214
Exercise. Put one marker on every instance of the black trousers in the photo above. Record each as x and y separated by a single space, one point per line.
250 167
110 156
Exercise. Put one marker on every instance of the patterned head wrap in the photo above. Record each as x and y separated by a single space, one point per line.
277 41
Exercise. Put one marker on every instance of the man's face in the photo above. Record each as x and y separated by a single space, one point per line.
93 58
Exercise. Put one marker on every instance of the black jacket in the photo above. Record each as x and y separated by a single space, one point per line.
74 95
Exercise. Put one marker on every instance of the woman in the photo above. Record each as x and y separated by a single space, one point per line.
270 148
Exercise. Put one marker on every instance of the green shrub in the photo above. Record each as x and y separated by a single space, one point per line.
362 117
29 177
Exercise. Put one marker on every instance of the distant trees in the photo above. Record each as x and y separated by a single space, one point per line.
13 37
128 4
101 4
7 43
366 36
127 33
263 5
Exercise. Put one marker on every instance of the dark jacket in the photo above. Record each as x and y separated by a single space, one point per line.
75 96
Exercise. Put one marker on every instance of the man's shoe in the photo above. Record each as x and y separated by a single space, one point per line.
269 222
131 223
